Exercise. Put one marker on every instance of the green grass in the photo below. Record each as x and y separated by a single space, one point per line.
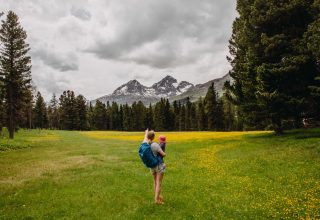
75 175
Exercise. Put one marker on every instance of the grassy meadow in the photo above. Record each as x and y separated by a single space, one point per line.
210 175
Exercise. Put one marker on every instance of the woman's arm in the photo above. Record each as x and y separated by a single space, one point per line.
145 140
163 154
156 147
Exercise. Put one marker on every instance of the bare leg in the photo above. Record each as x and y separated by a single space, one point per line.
159 178
154 174
155 187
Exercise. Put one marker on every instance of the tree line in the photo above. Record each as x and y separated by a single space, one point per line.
71 112
275 62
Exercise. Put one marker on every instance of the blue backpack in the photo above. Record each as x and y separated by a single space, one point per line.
147 156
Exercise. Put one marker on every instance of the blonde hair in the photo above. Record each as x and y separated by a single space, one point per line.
150 135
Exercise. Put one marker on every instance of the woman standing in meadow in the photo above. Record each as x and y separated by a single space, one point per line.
157 171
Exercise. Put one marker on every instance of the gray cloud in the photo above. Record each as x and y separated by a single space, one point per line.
167 25
62 62
81 13
49 83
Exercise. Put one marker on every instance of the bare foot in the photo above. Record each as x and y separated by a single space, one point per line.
159 202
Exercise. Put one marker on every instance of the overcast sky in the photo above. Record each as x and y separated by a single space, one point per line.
94 46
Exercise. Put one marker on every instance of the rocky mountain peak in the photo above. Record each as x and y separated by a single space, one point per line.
166 86
166 81
134 83
131 87
169 78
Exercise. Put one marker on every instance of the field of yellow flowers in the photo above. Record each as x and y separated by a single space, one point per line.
210 175
171 136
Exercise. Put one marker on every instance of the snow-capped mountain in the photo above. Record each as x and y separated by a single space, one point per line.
168 87
133 87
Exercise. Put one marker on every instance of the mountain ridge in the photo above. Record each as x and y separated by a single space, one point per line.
168 87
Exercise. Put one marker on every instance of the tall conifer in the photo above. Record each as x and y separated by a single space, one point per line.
15 69
201 115
211 108
40 112
81 110
53 113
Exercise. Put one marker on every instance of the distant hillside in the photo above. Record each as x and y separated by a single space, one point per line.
200 90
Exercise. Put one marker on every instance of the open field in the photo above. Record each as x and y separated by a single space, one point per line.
98 175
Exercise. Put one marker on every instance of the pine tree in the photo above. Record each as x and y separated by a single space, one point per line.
228 112
2 112
53 113
231 109
108 121
138 115
219 116
68 111
15 69
149 118
168 116
188 115
100 116
115 116
201 115
159 115
243 61
81 109
182 118
176 112
312 42
26 119
120 126
127 118
212 108
141 116
40 112
312 36
90 117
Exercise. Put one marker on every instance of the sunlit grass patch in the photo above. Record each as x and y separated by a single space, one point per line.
37 169
43 138
26 139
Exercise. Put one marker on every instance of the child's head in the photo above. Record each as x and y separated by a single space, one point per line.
162 139
150 135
